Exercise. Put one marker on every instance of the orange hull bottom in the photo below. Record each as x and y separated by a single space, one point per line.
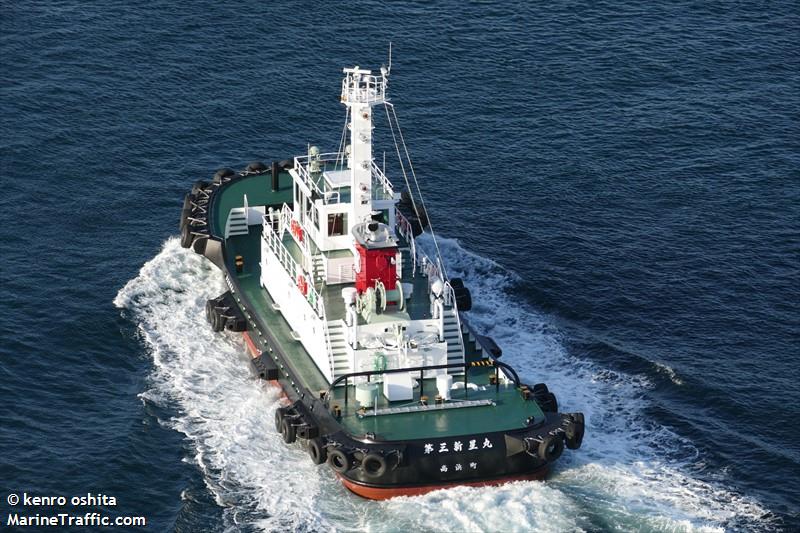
380 493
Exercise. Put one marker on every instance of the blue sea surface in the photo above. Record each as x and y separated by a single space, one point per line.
617 183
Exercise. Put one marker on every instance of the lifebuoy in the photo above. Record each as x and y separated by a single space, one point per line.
339 460
374 465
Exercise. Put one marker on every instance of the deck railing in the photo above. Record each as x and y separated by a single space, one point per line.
359 87
290 266
407 233
508 371
382 187
432 271
302 163
313 297
383 183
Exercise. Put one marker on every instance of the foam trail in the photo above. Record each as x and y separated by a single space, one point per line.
203 378
627 476
631 471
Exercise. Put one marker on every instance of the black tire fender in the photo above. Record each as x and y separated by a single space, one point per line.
574 434
199 244
288 431
553 402
463 299
256 166
218 323
339 460
210 311
551 448
548 402
199 185
186 236
185 214
317 451
374 465
279 414
222 173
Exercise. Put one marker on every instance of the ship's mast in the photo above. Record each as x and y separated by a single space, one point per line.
360 91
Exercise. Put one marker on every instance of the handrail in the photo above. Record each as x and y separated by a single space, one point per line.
421 369
433 271
360 87
407 233
286 218
301 166
384 182
290 266
451 293
328 345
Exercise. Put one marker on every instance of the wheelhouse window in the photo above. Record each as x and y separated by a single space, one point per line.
337 224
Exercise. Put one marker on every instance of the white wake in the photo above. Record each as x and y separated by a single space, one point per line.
629 475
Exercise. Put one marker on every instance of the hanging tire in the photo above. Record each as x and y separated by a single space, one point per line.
457 283
198 186
288 431
199 244
185 214
339 460
210 304
256 166
218 323
374 465
551 448
286 164
548 402
416 228
423 218
463 298
221 174
186 236
279 414
540 389
574 434
317 451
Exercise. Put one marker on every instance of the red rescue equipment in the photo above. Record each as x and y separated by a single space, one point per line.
302 284
297 230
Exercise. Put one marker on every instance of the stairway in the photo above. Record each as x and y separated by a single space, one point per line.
340 361
406 264
454 339
318 268
237 222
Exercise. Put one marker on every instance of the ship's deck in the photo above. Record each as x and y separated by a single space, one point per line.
258 189
510 410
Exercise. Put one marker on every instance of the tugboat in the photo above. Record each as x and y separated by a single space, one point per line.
383 377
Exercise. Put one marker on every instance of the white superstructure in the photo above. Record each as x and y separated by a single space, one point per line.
340 273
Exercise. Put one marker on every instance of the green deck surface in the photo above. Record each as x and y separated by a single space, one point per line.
248 247
510 412
259 192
